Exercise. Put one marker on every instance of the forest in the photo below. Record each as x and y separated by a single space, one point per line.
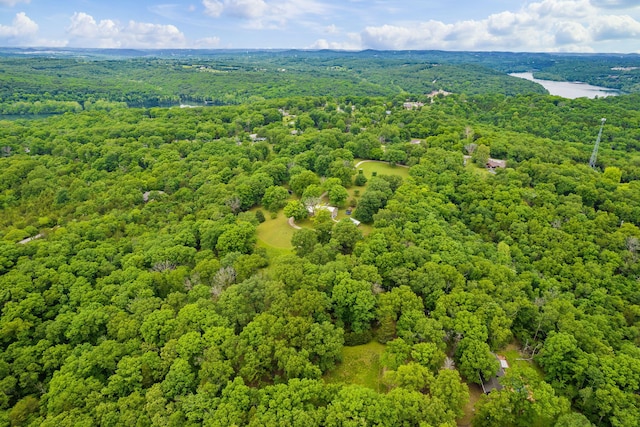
150 275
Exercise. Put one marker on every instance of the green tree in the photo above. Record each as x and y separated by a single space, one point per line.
525 400
304 241
344 236
475 361
481 155
296 210
354 303
275 198
302 180
239 237
338 195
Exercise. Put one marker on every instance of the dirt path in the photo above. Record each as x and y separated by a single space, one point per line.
292 224
29 239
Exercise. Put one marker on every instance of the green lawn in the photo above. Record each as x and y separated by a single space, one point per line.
382 169
275 232
477 170
360 365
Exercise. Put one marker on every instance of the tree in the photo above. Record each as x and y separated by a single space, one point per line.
302 180
304 241
360 179
343 170
369 204
237 238
559 357
354 304
481 155
337 195
345 235
323 224
525 400
449 388
275 198
475 361
296 210
411 376
394 156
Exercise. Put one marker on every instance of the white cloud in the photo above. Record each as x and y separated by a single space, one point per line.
612 27
616 4
259 14
544 25
568 33
22 30
207 42
246 9
331 29
554 9
354 42
213 7
86 32
12 3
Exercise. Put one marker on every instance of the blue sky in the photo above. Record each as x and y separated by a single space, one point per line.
484 25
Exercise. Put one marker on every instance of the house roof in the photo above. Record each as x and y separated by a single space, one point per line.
493 383
496 163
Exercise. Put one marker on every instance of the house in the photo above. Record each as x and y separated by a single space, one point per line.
332 210
415 142
493 164
255 138
412 105
493 383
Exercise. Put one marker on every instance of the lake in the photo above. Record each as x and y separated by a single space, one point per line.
569 90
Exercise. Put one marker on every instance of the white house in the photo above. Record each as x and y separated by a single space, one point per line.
332 210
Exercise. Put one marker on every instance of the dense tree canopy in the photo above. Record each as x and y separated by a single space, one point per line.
136 287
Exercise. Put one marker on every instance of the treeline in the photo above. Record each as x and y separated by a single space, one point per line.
148 301
153 82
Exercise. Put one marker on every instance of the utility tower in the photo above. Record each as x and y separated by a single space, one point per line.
594 155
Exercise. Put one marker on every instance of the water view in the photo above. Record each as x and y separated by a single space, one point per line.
569 90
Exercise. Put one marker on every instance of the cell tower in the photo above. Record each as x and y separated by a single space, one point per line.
594 155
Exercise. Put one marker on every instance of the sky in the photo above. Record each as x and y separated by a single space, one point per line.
475 25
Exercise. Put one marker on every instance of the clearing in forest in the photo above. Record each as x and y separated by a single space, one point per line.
382 168
275 232
360 365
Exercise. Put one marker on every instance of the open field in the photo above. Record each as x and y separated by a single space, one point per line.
382 168
275 232
360 365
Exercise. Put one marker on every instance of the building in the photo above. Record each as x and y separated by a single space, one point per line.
332 210
493 383
412 105
493 164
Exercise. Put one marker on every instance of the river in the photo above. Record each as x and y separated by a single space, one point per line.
569 90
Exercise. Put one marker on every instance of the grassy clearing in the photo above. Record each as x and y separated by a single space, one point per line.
477 170
382 169
512 353
360 365
275 232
